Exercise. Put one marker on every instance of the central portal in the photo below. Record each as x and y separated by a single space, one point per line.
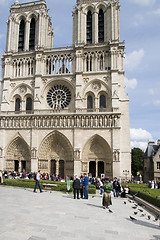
96 168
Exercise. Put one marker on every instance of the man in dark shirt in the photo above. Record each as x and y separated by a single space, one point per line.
76 187
85 183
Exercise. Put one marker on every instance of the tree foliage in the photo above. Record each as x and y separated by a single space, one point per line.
137 161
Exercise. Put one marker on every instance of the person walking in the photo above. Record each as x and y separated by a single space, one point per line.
116 187
85 184
76 187
37 178
106 201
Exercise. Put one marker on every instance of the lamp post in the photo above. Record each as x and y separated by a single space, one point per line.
126 173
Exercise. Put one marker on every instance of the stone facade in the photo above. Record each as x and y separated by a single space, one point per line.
151 165
65 110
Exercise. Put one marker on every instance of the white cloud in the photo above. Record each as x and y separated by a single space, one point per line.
141 145
133 59
156 102
156 12
143 2
140 134
140 138
130 83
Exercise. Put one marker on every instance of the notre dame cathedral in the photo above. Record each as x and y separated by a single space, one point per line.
64 110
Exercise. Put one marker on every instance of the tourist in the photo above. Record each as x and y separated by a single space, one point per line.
126 190
38 177
76 187
106 201
85 186
81 186
116 187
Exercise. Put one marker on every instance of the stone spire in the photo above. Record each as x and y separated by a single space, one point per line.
16 2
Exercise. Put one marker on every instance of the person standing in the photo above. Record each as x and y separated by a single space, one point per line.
38 177
106 201
76 187
116 187
81 186
85 184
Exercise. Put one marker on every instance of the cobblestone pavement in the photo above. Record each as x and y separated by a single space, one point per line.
53 215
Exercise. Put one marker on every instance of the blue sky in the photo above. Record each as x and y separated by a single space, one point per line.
140 28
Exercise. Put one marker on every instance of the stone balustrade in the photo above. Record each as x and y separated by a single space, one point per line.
107 120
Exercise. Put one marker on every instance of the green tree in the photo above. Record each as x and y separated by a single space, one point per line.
137 161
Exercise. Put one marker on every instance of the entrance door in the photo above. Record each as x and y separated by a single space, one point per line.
53 167
61 169
16 165
92 168
100 168
23 165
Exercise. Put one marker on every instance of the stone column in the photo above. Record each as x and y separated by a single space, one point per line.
27 33
57 167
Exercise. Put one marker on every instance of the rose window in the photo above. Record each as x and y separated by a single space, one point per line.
58 97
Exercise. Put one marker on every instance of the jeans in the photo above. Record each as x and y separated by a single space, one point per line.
37 184
85 192
101 191
115 192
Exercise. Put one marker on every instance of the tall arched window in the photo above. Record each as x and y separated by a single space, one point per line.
89 27
102 103
29 104
32 34
17 104
89 103
21 36
101 26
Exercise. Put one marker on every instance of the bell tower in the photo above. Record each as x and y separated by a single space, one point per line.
96 21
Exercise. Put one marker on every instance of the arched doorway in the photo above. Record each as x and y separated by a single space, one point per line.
18 156
56 155
97 157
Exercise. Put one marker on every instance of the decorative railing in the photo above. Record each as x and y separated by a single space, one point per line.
109 120
59 61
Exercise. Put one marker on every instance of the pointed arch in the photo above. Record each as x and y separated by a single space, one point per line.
21 35
32 34
55 148
18 151
97 156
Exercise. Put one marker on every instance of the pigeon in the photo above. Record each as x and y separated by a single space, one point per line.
134 207
142 215
130 201
149 217
135 213
110 211
133 219
140 210
124 202
92 196
156 219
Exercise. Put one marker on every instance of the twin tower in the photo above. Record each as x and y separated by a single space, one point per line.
64 110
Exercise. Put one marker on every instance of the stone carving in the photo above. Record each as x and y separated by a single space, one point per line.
86 80
85 167
1 152
77 155
116 154
34 152
44 80
96 86
13 85
106 78
32 83
22 90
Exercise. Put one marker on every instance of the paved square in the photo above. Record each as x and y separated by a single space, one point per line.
47 216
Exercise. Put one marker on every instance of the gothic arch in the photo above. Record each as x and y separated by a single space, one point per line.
57 147
21 17
99 82
18 150
102 6
97 150
32 15
21 90
89 7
